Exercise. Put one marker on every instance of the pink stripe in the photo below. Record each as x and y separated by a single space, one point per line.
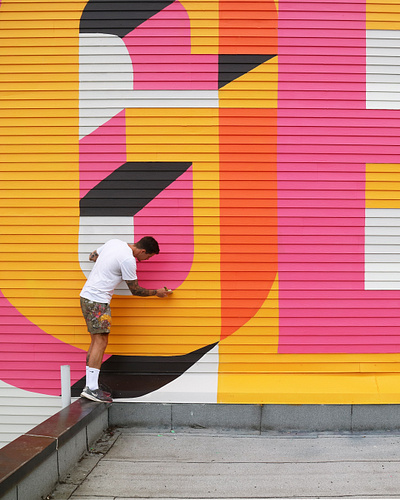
317 24
291 8
33 343
197 75
350 62
347 322
339 314
106 145
286 145
344 348
336 136
365 118
178 69
306 102
321 158
309 187
176 237
299 36
372 304
358 336
310 231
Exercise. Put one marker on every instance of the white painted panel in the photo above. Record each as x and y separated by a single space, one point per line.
393 95
382 214
382 263
377 104
383 240
383 58
21 410
387 63
382 230
382 267
199 384
94 232
383 90
99 55
148 99
378 258
383 78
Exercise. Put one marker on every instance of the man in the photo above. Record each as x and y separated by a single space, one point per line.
115 261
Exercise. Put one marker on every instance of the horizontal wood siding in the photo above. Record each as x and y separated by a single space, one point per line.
271 185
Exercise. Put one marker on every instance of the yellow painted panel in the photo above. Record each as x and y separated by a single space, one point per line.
383 15
201 32
36 169
252 371
382 185
383 169
13 178
34 211
382 204
320 388
265 323
183 332
140 124
251 90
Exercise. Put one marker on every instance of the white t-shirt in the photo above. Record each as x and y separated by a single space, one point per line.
114 264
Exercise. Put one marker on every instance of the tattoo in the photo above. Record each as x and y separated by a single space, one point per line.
136 289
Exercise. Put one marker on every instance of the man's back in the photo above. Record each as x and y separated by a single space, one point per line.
114 264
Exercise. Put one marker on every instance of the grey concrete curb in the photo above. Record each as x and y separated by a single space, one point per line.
254 419
31 465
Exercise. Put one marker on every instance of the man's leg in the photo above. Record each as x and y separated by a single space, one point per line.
94 359
98 319
96 350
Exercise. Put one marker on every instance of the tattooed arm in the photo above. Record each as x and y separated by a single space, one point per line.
136 289
93 256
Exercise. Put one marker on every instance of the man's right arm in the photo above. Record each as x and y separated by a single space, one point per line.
139 291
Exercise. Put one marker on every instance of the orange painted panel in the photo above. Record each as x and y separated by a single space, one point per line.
248 233
238 20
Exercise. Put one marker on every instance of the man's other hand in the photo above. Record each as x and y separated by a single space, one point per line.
163 292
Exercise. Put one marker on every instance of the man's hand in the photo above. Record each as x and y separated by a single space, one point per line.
163 292
93 256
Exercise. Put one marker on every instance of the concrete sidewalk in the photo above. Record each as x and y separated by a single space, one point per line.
127 465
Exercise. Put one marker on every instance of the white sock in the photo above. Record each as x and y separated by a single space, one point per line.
92 378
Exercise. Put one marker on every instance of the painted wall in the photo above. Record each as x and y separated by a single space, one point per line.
273 189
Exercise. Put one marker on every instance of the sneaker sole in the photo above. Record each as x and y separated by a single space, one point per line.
92 398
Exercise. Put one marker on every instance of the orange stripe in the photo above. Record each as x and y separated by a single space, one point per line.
248 27
248 229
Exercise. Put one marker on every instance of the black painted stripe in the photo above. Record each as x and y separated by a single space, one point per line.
135 376
130 188
118 17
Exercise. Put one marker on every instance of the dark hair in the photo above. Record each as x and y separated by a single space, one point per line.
149 244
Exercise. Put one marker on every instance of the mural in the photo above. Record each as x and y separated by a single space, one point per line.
171 120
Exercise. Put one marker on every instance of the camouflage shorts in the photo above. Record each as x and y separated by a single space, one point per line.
97 316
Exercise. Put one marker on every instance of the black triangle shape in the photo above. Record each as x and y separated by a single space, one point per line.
232 66
118 17
130 188
135 376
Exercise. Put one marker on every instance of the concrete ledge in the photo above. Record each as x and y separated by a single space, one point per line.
32 464
254 419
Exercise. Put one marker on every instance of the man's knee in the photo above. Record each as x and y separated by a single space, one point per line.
100 339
